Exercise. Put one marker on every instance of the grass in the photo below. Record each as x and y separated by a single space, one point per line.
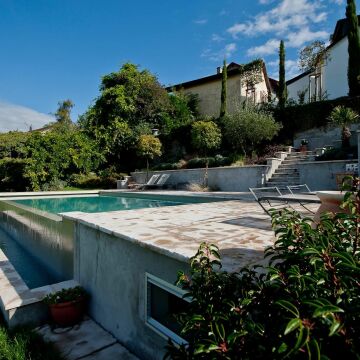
25 344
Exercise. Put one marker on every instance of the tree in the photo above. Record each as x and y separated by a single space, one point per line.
206 136
223 91
344 117
148 147
353 49
282 91
62 114
312 56
248 127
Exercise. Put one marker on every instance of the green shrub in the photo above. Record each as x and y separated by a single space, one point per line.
93 181
338 154
12 176
304 305
313 115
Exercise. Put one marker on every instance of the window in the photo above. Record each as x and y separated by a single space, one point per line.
251 93
163 301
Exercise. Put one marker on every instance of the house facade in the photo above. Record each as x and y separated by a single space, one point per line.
239 88
329 81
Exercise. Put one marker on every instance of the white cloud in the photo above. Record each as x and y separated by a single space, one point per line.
297 39
217 38
200 22
225 52
288 14
291 68
270 47
17 117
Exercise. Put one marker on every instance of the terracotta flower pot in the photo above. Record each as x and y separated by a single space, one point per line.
68 313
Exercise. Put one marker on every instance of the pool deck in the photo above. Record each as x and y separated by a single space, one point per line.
239 228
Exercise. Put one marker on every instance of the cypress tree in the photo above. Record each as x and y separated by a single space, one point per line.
282 92
353 49
223 90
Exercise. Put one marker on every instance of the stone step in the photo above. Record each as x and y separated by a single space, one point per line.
287 170
284 178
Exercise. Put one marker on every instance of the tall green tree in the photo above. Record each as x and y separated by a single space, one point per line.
223 91
282 91
353 49
63 112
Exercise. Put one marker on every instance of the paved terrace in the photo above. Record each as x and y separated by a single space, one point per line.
239 227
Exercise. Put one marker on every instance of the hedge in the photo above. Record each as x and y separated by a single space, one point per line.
298 118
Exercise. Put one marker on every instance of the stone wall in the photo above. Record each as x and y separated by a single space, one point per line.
321 175
222 178
112 270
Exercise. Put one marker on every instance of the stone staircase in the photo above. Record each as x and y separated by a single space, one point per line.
287 173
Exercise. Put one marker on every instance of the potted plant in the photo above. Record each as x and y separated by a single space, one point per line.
304 144
67 306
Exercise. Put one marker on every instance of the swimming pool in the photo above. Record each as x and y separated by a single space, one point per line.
31 270
95 203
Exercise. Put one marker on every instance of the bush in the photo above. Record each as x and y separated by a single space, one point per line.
313 115
338 154
93 181
12 175
305 305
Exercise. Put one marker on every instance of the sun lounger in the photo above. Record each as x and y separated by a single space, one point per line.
150 182
298 190
160 183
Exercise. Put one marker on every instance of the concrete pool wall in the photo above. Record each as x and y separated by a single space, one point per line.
113 270
48 237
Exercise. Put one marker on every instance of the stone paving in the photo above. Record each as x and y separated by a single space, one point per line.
87 341
240 228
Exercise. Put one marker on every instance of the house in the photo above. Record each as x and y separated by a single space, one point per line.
329 81
241 86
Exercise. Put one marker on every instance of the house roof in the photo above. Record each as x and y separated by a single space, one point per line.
233 69
296 78
341 30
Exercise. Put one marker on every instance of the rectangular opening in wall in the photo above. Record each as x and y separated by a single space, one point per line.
163 302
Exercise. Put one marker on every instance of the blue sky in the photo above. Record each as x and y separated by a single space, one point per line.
53 50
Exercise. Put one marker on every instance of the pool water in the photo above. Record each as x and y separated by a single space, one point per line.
29 268
92 204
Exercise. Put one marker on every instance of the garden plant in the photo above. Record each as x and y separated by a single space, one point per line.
304 305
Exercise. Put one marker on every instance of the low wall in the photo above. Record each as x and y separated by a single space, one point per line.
222 178
321 175
113 270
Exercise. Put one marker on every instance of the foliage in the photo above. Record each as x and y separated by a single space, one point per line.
62 114
344 117
94 181
223 90
13 144
251 73
338 154
57 154
298 118
205 136
66 295
312 56
249 127
25 344
353 49
304 305
282 90
149 146
12 175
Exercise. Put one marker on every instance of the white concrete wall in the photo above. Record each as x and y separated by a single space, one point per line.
335 71
113 270
334 74
321 175
223 178
297 86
